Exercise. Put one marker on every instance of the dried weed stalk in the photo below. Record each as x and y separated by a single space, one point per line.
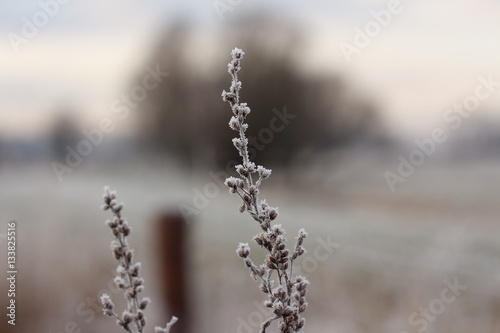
285 292
128 277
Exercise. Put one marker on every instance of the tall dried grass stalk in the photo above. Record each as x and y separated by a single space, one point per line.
286 294
128 277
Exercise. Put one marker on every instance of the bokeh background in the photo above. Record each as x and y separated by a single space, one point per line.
352 119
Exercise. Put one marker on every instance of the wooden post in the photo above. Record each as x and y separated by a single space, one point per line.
171 237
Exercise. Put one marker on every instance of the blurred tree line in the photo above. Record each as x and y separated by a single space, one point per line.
186 118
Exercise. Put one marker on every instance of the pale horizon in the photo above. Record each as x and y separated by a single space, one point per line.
413 70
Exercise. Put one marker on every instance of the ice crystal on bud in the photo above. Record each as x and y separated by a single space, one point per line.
144 303
287 300
263 172
237 53
243 250
107 305
234 125
166 329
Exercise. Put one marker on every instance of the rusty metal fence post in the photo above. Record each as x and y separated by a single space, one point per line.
171 238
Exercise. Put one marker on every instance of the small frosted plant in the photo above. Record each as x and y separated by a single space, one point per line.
286 294
128 277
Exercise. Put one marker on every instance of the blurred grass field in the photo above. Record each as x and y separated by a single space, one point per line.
395 249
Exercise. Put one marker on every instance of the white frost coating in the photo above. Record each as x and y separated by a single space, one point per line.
286 294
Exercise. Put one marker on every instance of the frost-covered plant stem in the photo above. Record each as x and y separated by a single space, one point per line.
286 296
128 277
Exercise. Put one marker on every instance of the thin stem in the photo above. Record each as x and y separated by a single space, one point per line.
267 323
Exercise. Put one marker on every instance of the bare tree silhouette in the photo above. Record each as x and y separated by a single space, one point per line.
183 117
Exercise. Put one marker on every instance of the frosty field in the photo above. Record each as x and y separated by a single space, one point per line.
394 253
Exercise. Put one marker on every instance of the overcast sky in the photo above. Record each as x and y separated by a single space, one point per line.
426 59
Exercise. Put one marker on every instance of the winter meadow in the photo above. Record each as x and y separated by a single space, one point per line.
248 166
